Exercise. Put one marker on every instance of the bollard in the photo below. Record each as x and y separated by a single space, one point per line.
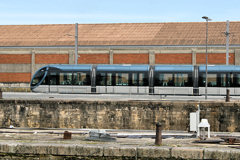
67 135
0 93
158 139
228 96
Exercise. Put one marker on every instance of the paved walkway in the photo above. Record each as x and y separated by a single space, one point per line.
129 143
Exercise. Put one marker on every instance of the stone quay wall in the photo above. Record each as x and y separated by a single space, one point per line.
223 117
101 152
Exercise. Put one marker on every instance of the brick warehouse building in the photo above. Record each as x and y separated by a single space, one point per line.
25 48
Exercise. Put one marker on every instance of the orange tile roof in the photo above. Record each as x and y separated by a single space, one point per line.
184 33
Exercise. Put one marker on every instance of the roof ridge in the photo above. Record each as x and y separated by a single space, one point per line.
119 23
36 24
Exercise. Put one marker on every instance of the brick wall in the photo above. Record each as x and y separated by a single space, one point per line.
15 58
93 59
15 77
25 57
167 58
130 59
51 58
214 58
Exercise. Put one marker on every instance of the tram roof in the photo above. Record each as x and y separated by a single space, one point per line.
163 68
174 68
63 67
123 68
220 68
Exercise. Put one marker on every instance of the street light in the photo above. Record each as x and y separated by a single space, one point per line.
206 81
76 43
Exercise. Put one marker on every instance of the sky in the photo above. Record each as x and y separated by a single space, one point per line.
17 12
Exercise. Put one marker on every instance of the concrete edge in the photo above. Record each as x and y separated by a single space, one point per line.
97 150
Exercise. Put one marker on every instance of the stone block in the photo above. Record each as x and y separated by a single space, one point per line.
28 148
74 150
61 149
58 149
7 148
51 150
11 148
154 152
217 153
96 151
187 153
123 151
235 154
39 149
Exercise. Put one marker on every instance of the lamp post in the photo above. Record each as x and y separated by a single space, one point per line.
206 81
76 43
227 43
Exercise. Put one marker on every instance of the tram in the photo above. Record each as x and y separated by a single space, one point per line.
137 79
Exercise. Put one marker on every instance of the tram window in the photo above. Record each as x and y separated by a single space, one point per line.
181 80
237 80
81 78
53 78
134 79
230 80
166 79
170 79
104 79
101 78
139 79
65 78
44 82
162 79
226 80
109 79
143 80
38 77
223 80
202 80
122 79
212 80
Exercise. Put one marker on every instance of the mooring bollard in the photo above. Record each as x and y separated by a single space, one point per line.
67 135
158 139
0 93
228 96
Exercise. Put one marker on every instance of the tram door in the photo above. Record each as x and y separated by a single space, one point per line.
53 79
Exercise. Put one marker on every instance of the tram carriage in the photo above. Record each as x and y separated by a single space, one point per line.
137 79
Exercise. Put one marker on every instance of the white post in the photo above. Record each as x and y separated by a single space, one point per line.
198 120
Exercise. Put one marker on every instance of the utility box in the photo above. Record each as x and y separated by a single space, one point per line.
194 121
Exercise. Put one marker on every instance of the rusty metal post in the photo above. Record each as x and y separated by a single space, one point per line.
228 96
158 139
0 93
67 135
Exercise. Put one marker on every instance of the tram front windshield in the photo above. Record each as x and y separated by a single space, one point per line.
38 77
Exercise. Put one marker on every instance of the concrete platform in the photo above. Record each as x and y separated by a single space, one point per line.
112 97
25 143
